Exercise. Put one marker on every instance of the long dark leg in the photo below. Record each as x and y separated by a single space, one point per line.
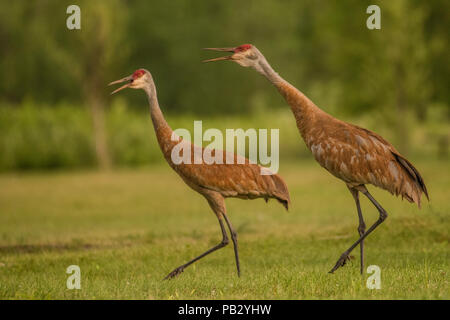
383 216
362 225
235 243
224 242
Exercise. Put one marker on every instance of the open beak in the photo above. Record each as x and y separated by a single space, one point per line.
220 58
129 79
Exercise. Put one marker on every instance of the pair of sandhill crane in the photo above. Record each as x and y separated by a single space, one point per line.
353 154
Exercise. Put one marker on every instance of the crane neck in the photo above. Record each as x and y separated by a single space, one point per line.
162 129
304 109
267 71
159 122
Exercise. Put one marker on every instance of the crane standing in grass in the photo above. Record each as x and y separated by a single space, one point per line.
351 153
240 179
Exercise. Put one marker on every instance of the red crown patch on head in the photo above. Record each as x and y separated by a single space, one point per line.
242 48
138 73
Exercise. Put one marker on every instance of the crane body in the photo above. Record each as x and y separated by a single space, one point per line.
355 155
215 182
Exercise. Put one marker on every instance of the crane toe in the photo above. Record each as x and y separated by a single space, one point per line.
174 273
341 262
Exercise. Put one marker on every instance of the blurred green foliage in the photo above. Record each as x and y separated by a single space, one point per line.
323 47
51 137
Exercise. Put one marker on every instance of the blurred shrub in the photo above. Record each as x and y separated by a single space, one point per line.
129 137
44 137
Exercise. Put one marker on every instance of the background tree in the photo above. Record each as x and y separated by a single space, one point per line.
321 46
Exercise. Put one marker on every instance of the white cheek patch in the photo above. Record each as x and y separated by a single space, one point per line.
244 62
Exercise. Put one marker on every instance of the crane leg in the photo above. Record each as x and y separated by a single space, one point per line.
235 243
383 215
222 244
361 227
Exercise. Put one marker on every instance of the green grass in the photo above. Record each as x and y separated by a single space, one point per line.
127 229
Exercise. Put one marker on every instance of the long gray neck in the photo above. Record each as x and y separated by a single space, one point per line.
304 110
164 133
159 122
267 71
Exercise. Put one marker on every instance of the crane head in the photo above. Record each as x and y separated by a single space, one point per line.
137 80
246 55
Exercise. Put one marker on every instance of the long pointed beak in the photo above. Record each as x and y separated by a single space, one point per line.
220 58
129 79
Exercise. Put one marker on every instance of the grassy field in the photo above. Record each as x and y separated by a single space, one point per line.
127 229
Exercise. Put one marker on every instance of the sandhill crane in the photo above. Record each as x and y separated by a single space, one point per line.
351 153
240 179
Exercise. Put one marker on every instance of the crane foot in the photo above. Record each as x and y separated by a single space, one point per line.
174 273
341 262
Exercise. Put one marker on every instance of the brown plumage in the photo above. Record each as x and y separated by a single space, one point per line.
351 153
229 180
214 181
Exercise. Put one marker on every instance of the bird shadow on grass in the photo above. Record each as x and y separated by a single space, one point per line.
74 245
39 248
